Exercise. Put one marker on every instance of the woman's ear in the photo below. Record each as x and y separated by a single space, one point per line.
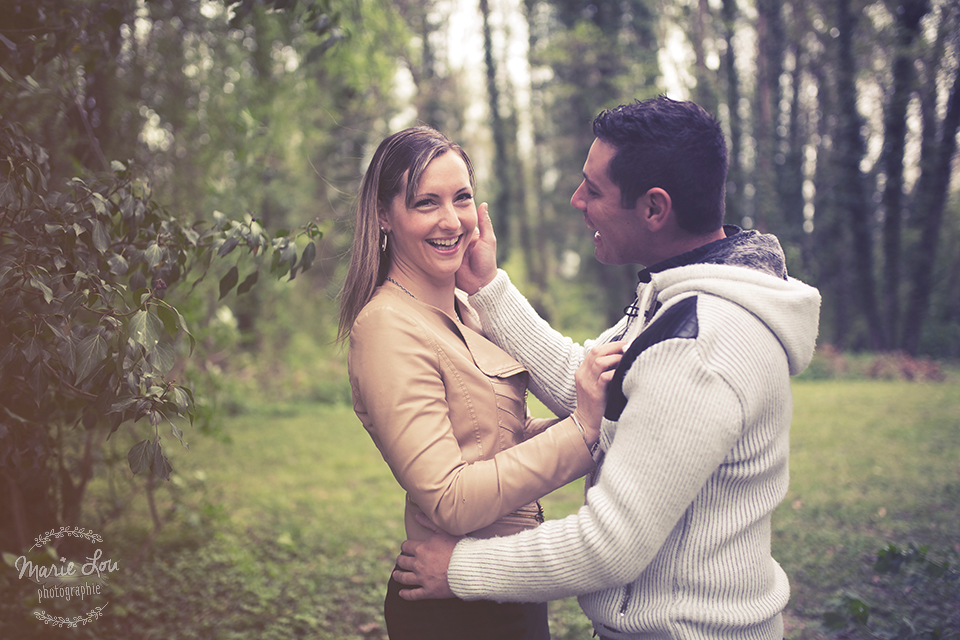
382 219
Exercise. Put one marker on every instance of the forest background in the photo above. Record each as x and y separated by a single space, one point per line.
160 155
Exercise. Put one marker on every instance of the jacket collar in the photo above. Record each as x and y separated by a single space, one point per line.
750 249
489 358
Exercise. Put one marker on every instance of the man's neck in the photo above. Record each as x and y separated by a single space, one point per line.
679 258
685 242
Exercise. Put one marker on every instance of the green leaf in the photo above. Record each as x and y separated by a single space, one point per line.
229 281
118 264
123 405
42 288
117 167
309 254
248 283
178 434
71 302
160 465
153 255
192 236
145 328
169 317
229 245
67 353
183 327
182 399
101 241
140 456
90 353
162 357
32 348
288 253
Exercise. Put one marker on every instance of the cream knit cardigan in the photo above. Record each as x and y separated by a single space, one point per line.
673 540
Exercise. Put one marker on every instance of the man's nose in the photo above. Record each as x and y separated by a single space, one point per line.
576 200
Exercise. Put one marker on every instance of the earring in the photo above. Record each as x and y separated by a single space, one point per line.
383 240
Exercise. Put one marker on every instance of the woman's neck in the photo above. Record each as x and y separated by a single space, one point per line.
439 295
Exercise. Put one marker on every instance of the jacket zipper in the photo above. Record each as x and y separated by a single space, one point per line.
538 516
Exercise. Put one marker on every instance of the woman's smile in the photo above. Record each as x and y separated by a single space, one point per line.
446 244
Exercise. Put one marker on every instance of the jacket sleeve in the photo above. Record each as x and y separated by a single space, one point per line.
661 455
552 359
396 375
532 426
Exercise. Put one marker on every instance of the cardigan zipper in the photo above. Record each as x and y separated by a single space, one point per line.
627 592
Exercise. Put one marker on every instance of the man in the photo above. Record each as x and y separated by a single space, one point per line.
673 540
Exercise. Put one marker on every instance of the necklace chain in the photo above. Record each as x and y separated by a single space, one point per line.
402 287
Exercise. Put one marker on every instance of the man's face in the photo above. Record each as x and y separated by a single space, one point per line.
619 236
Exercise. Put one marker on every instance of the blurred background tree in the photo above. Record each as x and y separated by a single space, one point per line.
841 118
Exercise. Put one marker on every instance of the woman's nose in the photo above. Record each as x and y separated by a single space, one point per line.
448 217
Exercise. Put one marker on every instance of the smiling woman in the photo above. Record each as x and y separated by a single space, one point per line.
429 238
445 406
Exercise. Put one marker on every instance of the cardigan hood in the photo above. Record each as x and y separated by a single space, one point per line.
749 269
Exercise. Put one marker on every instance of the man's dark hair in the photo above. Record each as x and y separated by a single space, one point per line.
674 145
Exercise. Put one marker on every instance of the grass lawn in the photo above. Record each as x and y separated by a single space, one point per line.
289 527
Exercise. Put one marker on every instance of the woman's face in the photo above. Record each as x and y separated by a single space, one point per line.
428 240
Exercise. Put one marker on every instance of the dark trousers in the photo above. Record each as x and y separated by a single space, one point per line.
455 619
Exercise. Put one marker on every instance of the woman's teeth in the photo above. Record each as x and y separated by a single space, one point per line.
447 243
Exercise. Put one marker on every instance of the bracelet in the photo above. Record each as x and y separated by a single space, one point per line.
583 434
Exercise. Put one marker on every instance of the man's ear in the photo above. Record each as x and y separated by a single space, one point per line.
657 208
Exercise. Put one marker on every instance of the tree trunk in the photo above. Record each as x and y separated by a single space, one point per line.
705 93
536 244
766 205
790 161
501 213
895 134
734 200
930 202
852 194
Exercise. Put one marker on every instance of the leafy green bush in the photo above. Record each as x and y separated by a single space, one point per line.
87 337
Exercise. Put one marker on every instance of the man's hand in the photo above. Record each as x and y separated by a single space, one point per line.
423 565
479 265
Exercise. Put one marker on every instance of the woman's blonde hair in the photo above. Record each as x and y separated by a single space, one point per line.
401 156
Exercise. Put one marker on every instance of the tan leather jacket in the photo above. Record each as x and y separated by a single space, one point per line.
447 410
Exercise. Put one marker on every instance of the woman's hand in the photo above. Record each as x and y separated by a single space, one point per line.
592 377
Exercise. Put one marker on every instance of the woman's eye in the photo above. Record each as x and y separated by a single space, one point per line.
422 203
463 197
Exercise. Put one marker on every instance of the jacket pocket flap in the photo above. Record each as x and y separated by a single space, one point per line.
489 358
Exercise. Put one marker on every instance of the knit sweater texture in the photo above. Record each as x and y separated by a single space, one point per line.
673 540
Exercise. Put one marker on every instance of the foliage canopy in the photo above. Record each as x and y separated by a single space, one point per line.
88 339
